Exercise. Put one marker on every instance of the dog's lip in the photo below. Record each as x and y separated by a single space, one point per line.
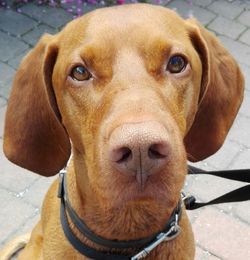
136 196
149 190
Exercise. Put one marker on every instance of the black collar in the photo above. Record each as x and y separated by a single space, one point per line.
144 246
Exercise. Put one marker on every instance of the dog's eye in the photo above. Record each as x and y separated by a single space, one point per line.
80 73
176 64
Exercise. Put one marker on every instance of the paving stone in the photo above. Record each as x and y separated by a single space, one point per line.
202 254
183 8
3 103
242 3
10 46
14 212
204 16
224 8
14 178
246 72
6 74
202 3
245 18
226 27
239 50
33 36
5 91
34 11
14 22
6 77
2 116
85 7
36 193
89 7
240 131
222 235
58 19
227 208
244 109
245 37
206 187
241 209
54 17
186 10
222 158
193 214
24 228
15 62
242 161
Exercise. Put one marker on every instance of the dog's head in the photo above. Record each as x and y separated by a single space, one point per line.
136 88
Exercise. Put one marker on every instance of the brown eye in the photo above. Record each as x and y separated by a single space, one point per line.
176 64
80 73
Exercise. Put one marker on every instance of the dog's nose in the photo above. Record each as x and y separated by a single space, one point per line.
139 149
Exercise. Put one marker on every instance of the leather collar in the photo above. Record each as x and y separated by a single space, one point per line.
143 246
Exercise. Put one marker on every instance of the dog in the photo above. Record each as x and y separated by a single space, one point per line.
132 92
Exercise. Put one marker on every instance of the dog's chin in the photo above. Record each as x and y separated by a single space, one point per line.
155 191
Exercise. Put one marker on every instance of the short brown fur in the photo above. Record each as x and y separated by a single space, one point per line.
126 49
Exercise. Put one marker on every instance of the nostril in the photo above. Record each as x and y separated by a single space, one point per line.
157 151
123 154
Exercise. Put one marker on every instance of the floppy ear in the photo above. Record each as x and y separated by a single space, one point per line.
34 137
221 94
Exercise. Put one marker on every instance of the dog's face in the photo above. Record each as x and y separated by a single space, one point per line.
130 85
117 83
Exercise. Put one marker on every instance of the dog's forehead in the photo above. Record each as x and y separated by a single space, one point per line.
133 15
124 24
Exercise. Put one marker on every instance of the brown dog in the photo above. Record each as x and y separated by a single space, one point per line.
134 91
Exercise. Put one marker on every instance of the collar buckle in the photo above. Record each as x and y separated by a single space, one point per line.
60 184
171 234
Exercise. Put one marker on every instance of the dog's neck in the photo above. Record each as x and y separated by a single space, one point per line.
128 222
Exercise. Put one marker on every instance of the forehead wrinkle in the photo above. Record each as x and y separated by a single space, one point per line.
90 53
98 58
155 54
155 45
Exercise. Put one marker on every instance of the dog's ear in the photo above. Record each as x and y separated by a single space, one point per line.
34 137
221 94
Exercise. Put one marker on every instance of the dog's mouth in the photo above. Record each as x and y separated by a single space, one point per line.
140 189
